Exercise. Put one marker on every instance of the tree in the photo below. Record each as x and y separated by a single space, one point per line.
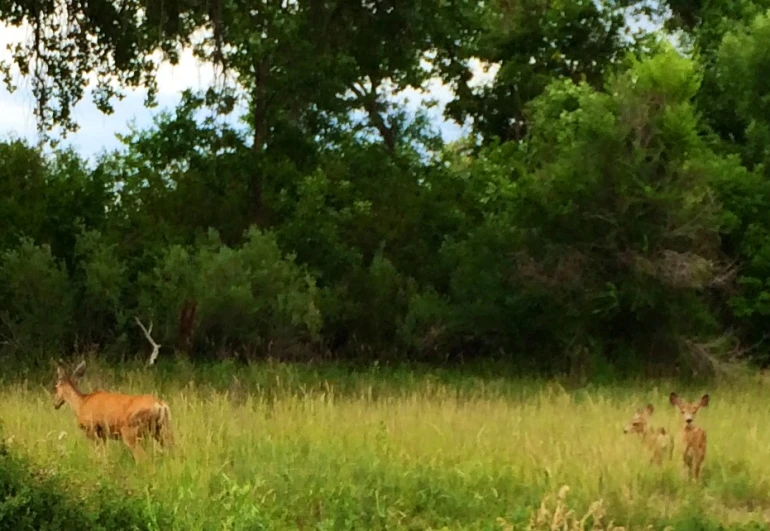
48 199
533 42
72 41
609 231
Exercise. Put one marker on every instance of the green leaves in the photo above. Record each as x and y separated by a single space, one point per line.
535 42
613 218
38 301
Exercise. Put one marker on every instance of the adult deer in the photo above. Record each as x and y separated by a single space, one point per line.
103 415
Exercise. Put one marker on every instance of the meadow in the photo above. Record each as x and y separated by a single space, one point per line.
274 446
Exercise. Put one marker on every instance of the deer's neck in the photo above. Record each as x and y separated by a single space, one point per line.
649 435
74 398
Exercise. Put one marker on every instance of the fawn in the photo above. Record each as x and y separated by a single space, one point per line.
657 440
693 437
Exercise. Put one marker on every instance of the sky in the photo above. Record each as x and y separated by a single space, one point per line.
97 131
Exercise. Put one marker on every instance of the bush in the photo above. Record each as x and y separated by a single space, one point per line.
36 299
608 243
367 309
244 297
36 500
100 279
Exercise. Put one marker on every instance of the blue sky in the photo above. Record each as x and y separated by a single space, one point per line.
97 131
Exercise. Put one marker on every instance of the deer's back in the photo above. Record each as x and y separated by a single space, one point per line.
112 410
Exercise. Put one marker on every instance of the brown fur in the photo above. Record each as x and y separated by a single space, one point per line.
693 437
103 415
656 440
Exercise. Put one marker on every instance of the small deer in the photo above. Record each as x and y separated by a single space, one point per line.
103 415
693 437
656 440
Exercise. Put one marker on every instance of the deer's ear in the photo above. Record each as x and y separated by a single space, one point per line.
704 400
649 409
60 372
80 370
674 399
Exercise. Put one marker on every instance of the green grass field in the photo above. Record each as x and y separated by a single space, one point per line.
276 447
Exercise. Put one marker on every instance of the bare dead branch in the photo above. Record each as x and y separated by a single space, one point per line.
155 346
725 277
567 270
720 355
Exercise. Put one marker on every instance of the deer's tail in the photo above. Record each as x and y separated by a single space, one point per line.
162 417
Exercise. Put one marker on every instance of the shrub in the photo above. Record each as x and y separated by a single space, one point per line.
607 243
37 500
244 297
36 299
100 279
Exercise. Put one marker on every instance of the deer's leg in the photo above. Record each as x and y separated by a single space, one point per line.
130 438
94 434
698 464
687 462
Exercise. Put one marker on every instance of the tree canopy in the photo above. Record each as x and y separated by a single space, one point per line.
604 211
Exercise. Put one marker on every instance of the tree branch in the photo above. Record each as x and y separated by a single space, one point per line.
155 346
372 107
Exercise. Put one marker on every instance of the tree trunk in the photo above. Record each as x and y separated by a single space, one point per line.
373 109
259 97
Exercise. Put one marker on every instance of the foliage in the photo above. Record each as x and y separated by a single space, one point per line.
246 297
47 199
101 280
532 43
42 500
37 307
607 227
604 212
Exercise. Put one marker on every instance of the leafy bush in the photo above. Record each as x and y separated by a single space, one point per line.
371 304
429 326
36 299
245 297
100 278
37 500
609 240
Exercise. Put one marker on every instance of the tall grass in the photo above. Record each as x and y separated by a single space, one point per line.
276 447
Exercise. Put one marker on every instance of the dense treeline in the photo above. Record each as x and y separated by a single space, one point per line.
608 211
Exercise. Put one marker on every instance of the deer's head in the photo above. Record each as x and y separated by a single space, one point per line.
65 382
638 423
688 409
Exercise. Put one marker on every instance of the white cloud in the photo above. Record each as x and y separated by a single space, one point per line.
11 35
484 73
97 130
16 115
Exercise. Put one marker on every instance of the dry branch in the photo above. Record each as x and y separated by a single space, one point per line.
155 346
